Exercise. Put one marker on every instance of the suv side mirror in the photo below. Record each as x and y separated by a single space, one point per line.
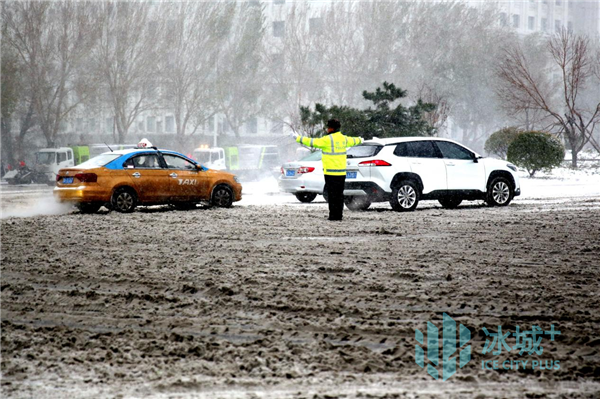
474 156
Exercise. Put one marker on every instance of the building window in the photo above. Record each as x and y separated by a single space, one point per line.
210 123
278 28
503 19
252 126
558 3
277 127
170 124
516 21
544 24
315 26
531 23
314 59
557 25
277 60
150 124
109 125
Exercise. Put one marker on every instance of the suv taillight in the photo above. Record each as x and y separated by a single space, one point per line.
376 162
87 177
305 169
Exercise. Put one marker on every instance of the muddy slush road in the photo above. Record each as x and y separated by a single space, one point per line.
273 301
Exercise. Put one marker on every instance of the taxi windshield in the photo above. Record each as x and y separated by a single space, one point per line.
98 161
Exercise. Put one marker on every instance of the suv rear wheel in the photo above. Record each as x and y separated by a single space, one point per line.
450 203
357 203
500 192
405 197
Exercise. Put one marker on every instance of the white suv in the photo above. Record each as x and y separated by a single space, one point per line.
406 170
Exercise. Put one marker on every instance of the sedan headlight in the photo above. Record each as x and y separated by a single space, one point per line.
511 167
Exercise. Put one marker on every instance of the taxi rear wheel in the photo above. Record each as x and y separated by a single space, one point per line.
88 208
124 200
222 196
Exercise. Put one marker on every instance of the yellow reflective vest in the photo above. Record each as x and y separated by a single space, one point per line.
333 147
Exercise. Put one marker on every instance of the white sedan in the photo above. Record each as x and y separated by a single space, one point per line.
303 178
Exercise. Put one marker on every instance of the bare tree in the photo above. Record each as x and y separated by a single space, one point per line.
52 40
439 116
562 97
126 58
240 78
193 38
294 63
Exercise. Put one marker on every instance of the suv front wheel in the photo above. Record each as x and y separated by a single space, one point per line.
500 192
405 197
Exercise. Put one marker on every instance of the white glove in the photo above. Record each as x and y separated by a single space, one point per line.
294 135
362 140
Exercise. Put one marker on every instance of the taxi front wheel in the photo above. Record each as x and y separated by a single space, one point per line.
222 196
124 200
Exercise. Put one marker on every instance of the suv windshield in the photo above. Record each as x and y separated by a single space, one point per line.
100 160
364 150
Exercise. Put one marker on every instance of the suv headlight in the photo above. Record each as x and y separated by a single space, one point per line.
511 167
236 179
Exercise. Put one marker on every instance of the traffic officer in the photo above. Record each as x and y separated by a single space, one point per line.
334 147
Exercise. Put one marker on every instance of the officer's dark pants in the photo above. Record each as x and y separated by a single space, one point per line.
335 192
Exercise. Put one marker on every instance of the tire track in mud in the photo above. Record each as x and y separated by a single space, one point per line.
257 296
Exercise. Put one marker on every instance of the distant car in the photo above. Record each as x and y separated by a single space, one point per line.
126 178
406 170
303 178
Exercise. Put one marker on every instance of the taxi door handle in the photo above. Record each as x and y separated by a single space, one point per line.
173 175
136 174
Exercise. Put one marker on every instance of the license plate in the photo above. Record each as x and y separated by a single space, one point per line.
67 180
350 175
290 172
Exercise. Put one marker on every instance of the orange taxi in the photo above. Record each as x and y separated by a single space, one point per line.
122 180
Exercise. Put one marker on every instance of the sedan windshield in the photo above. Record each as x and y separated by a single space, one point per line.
313 156
98 161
